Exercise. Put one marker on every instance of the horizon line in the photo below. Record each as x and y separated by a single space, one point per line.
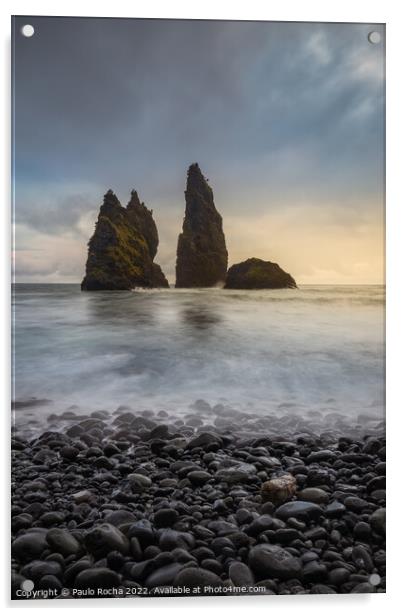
302 284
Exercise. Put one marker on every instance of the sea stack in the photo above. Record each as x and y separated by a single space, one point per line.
258 274
202 257
122 248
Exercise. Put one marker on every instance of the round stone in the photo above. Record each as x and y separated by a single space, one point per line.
260 524
362 530
49 582
36 569
97 578
139 481
30 545
192 577
279 490
61 540
106 538
314 495
165 518
239 473
377 521
355 504
321 456
299 509
338 576
171 539
120 517
314 571
273 561
205 440
143 532
164 576
69 453
199 478
240 574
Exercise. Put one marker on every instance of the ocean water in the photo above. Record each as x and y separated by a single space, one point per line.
316 348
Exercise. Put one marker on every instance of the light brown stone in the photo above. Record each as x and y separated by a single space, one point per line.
278 490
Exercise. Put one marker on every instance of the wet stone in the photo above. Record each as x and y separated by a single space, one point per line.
62 541
279 490
355 503
314 495
377 521
299 509
240 574
105 538
199 478
314 572
320 456
260 524
83 496
140 506
362 530
269 560
164 576
49 582
36 569
97 578
139 481
120 517
29 545
193 577
164 518
335 509
69 453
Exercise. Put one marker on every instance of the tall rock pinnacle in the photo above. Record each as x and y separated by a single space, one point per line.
202 257
122 248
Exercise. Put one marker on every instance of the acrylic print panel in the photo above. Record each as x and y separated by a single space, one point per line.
198 303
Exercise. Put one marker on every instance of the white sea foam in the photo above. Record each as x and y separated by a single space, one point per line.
314 348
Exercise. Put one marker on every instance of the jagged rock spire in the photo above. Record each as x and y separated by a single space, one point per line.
201 251
122 248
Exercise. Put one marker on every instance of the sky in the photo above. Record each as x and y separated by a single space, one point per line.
286 120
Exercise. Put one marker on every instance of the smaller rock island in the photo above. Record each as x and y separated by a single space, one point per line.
258 274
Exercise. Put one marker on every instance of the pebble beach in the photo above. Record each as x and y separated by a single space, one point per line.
215 501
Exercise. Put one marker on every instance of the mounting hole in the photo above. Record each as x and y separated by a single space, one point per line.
374 37
27 30
28 585
374 579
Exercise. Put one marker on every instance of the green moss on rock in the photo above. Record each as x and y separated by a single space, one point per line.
122 248
258 274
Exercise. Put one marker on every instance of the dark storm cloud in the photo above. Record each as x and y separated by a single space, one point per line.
272 112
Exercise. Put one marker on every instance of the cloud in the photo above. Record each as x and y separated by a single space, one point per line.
317 243
40 257
273 112
55 207
318 48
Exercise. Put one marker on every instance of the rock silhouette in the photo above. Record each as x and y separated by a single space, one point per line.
258 274
201 250
122 248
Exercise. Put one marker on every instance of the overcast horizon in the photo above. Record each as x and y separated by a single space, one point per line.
285 119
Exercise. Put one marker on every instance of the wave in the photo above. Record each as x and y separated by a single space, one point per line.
313 349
